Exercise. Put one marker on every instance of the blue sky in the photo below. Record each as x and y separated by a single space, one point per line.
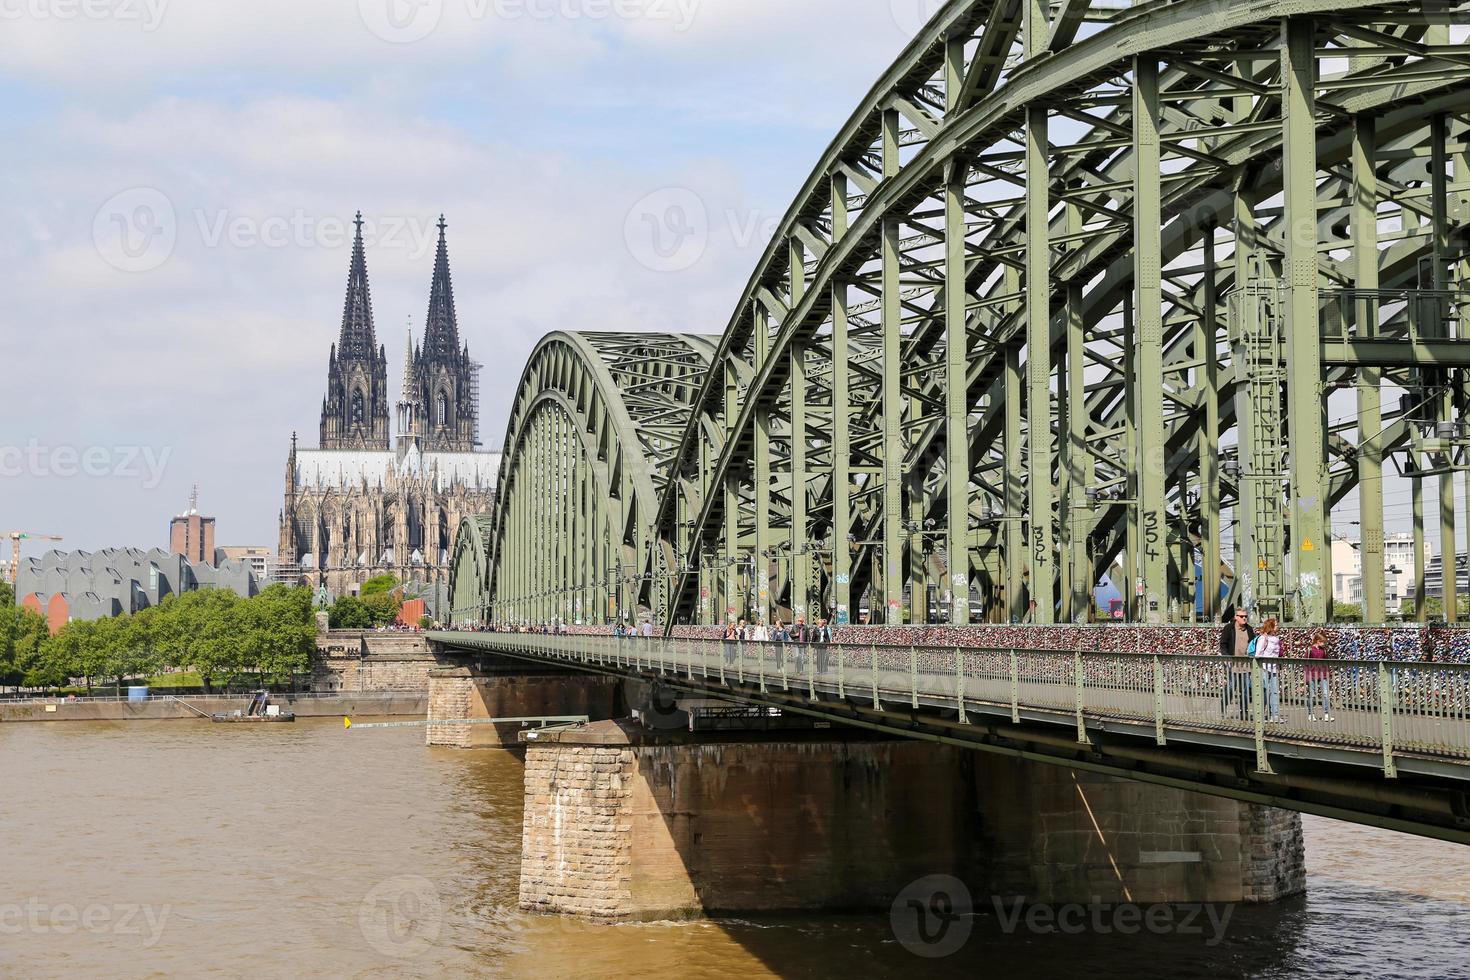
181 173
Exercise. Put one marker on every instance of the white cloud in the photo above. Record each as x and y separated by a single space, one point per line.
265 124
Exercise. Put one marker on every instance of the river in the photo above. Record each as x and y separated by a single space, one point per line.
167 848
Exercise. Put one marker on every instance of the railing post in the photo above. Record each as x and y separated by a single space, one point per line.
1081 721
782 649
1159 700
914 675
876 705
1385 716
760 665
841 676
1015 690
724 652
740 662
808 655
959 685
1258 704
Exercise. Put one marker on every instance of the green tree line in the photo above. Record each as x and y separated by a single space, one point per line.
213 632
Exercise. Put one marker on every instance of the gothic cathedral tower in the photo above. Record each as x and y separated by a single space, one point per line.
355 411
441 384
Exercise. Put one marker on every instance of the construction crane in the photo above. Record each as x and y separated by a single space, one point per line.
16 537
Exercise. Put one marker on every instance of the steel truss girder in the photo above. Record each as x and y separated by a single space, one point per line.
894 305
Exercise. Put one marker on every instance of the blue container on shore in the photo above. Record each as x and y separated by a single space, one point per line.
137 694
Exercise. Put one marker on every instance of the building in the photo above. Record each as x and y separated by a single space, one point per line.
1434 578
363 504
191 534
67 585
260 559
1398 571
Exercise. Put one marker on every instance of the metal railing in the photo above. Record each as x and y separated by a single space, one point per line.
1385 707
242 696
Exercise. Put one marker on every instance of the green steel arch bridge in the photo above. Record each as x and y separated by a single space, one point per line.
1066 298
1081 289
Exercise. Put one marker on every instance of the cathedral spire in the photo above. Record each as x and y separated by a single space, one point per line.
355 410
358 338
441 329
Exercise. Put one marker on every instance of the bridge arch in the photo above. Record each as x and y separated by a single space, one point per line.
595 420
1109 265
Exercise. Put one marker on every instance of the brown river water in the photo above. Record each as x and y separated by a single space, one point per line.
182 848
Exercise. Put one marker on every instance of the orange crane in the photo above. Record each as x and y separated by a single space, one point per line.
16 537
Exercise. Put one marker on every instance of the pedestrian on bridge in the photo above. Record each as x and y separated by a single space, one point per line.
1235 642
1268 650
1318 679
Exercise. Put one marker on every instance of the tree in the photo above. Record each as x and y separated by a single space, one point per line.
60 658
1346 612
383 607
350 613
197 632
8 620
278 631
378 585
133 652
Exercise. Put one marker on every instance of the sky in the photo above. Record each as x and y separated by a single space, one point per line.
181 175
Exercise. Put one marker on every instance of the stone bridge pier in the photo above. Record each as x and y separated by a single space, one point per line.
510 689
625 824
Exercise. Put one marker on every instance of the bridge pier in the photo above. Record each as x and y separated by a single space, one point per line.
464 693
620 824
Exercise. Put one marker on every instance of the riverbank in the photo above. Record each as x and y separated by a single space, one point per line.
167 708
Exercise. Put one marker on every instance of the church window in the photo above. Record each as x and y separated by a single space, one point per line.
442 406
357 406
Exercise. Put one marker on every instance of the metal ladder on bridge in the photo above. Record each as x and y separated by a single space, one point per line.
1261 345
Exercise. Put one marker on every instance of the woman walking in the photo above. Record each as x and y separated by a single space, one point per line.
1268 649
1317 679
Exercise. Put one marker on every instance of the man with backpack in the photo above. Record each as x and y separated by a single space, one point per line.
1235 642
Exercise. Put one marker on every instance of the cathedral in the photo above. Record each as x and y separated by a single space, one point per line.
364 502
